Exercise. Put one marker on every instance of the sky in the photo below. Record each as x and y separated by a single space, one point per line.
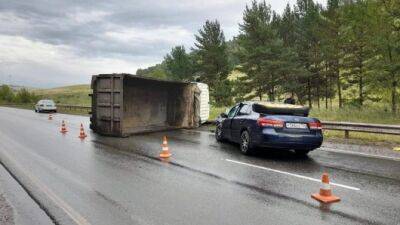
45 43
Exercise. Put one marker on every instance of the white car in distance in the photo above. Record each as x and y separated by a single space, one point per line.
45 105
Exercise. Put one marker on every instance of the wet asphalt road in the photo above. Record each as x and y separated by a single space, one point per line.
104 180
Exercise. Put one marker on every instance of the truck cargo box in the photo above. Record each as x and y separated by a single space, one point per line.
124 104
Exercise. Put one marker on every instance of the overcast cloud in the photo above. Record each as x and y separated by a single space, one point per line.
54 43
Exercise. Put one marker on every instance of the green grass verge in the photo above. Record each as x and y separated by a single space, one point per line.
216 111
354 114
363 138
68 95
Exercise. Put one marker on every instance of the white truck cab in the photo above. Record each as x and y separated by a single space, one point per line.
204 101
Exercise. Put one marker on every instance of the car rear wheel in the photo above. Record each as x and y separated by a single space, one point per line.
245 143
218 133
301 152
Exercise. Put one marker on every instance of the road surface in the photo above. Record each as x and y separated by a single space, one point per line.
105 180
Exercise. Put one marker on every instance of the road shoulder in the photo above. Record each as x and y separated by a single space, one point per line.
16 207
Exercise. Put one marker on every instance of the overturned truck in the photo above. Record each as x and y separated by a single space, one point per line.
124 104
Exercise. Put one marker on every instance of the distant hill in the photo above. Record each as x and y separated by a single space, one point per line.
19 87
71 95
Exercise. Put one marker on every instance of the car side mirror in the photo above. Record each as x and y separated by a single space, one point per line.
223 115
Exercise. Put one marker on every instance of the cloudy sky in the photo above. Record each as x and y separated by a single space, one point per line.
48 43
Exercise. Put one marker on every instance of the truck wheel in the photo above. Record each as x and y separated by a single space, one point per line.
218 133
245 143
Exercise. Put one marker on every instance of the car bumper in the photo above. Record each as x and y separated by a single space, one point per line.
47 109
269 138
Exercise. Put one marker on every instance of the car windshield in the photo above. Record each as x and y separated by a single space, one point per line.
48 102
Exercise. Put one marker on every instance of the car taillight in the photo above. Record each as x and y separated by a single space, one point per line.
264 122
315 126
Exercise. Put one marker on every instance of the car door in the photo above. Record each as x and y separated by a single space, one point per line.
38 105
238 121
226 124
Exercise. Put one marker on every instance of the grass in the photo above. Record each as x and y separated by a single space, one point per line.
367 114
68 95
216 111
363 138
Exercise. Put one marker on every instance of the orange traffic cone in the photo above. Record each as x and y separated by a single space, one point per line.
50 117
165 150
325 192
63 128
82 134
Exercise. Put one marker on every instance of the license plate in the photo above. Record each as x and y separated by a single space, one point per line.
296 125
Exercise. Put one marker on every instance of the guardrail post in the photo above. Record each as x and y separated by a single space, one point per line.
346 134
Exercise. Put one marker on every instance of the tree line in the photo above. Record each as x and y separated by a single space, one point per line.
348 50
22 96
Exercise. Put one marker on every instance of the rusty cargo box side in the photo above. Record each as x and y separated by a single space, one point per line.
155 105
107 99
124 104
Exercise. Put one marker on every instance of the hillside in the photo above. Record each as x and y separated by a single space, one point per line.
71 95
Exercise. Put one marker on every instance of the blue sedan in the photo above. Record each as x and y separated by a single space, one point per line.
269 125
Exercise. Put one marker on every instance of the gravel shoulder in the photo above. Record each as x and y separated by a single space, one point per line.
16 207
6 211
381 149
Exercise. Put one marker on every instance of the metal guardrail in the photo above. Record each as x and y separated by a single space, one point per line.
361 127
326 125
355 127
74 107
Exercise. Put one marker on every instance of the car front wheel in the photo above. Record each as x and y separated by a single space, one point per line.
245 143
218 133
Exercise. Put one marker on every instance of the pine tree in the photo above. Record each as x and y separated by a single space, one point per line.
309 46
357 48
212 61
387 41
294 73
331 46
179 65
261 50
157 71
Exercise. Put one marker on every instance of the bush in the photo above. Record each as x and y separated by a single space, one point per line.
222 93
6 94
24 96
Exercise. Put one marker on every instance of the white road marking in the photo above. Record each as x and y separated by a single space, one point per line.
75 216
327 149
291 174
